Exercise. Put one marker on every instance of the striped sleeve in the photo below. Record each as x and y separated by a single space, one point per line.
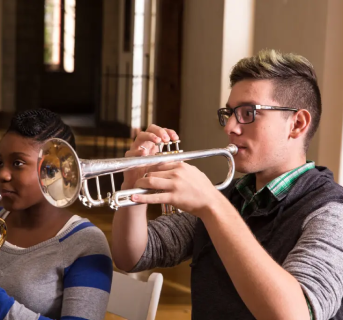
6 303
87 278
12 310
87 273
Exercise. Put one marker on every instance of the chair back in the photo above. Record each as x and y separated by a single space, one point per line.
133 299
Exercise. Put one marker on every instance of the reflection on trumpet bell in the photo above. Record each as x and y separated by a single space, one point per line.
63 176
59 178
3 232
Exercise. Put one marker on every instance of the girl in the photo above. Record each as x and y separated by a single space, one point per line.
54 265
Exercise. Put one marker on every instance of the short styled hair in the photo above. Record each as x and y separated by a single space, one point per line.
294 79
40 125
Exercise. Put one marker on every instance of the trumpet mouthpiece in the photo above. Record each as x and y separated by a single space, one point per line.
232 148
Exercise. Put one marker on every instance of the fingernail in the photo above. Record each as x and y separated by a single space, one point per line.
134 197
165 137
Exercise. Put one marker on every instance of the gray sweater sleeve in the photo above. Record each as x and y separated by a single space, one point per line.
317 260
170 241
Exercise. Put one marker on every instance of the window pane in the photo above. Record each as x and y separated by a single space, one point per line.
138 54
69 35
52 32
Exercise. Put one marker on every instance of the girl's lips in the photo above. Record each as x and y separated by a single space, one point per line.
7 193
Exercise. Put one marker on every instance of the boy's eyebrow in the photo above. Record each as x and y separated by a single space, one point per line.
242 103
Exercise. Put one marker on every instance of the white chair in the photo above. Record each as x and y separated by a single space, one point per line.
134 299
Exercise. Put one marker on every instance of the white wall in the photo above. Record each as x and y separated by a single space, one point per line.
313 28
216 35
294 26
330 136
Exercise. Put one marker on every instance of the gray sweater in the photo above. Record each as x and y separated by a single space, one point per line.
303 233
67 276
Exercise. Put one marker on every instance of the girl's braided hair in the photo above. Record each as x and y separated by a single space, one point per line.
40 125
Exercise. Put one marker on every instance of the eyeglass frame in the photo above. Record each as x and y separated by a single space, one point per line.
255 107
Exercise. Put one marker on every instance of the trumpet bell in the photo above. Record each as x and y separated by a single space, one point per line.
59 173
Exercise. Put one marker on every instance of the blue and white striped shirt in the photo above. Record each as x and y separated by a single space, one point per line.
67 277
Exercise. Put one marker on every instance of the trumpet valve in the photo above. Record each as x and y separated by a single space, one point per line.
169 149
160 147
177 147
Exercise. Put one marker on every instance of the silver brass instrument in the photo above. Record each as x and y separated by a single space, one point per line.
3 232
64 177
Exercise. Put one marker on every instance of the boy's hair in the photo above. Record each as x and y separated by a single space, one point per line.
294 80
40 125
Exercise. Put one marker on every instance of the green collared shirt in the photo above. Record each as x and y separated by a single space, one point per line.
274 191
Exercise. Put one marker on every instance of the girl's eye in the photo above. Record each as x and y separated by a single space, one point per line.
18 163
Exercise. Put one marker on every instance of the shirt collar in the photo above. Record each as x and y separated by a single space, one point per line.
279 187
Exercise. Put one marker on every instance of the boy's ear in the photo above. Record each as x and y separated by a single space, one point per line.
300 123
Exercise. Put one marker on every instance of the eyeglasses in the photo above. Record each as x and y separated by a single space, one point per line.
246 113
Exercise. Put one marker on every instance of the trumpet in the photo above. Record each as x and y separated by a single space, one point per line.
63 177
3 232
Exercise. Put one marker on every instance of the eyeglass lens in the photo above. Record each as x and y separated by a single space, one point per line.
244 114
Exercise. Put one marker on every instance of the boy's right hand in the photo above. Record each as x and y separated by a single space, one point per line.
145 145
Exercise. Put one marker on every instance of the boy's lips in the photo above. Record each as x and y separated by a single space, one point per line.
240 146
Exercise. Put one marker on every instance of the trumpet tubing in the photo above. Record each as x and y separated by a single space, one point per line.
63 176
3 232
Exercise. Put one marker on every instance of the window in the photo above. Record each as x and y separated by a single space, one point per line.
59 35
143 63
138 70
